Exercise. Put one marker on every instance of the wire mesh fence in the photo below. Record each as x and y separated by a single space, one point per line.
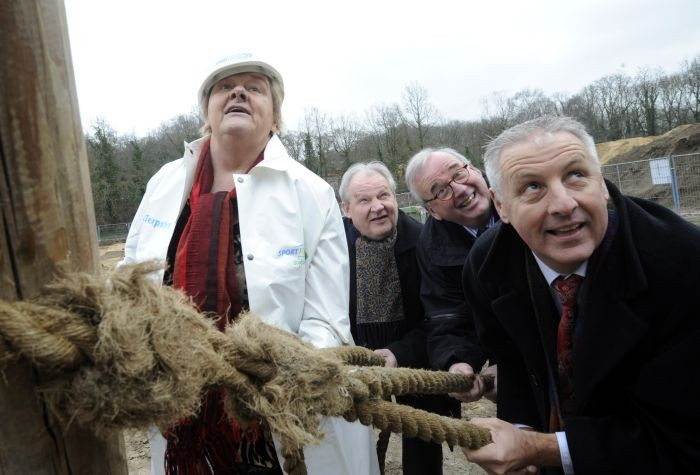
109 233
672 181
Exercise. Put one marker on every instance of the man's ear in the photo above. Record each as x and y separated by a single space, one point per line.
604 187
346 208
499 206
431 210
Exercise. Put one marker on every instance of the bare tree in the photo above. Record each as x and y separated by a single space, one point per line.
531 103
672 98
421 113
166 142
590 107
346 131
691 83
467 138
646 89
389 132
317 128
496 112
616 98
294 143
501 111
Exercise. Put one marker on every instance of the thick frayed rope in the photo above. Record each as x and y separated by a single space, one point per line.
125 352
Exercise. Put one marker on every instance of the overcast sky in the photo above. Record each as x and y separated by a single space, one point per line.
138 63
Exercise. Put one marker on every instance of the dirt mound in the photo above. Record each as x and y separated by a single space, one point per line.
634 175
609 150
682 139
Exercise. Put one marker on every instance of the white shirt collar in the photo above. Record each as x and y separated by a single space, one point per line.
550 274
489 223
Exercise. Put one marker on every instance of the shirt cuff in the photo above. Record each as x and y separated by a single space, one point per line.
566 462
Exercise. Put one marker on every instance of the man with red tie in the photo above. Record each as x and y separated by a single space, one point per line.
586 300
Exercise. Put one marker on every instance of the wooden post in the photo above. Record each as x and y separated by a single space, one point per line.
47 219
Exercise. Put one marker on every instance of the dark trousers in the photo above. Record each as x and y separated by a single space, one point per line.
421 458
418 456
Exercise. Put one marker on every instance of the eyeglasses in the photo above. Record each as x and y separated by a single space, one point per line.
461 176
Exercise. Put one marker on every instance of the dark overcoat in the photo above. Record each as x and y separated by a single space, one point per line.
637 345
411 350
442 249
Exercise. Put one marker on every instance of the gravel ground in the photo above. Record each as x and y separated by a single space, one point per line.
454 463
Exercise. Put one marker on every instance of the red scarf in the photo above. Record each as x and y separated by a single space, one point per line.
205 269
204 265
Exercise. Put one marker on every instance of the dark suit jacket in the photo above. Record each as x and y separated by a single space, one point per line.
410 351
637 349
442 249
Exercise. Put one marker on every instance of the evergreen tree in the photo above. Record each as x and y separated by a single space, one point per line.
104 173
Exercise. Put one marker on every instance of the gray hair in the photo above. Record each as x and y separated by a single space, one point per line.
546 124
416 163
373 166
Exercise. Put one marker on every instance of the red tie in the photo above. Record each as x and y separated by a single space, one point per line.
566 289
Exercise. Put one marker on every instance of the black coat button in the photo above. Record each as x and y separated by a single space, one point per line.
534 381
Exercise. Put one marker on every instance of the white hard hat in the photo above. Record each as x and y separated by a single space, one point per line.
236 64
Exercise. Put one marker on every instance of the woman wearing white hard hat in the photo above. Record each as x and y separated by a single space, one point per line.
242 226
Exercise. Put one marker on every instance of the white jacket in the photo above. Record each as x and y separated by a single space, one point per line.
296 266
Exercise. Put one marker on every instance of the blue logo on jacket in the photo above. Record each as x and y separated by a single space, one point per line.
156 223
298 254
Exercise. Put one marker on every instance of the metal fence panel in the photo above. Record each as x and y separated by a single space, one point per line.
109 233
672 181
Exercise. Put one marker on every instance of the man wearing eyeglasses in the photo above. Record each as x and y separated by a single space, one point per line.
456 196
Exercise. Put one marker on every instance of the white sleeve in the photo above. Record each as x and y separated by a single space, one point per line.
132 239
325 321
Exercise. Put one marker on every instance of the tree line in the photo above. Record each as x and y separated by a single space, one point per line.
614 107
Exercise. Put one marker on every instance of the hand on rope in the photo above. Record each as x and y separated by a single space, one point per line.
514 450
126 352
389 358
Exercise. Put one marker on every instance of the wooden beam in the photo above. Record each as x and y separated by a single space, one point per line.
47 220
